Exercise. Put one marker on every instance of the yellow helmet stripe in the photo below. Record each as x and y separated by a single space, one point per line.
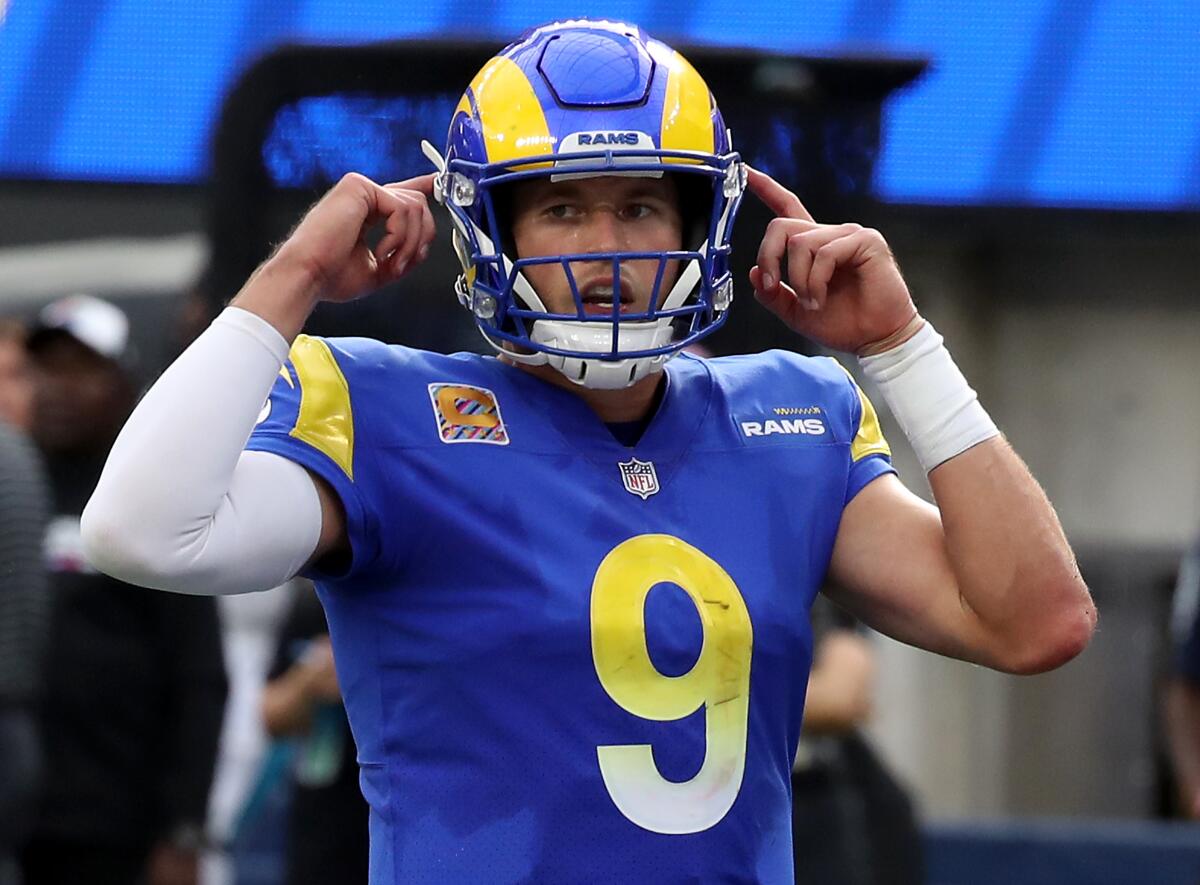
513 122
687 123
326 421
464 106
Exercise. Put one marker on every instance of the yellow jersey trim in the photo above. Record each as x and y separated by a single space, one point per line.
868 440
325 420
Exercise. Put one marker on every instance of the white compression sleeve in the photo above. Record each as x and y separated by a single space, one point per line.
180 506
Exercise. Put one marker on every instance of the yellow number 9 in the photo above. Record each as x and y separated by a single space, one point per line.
720 681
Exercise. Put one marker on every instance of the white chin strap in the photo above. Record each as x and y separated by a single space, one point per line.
597 337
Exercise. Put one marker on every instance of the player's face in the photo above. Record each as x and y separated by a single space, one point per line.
608 214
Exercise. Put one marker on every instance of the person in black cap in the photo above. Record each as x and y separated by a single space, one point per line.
84 367
135 682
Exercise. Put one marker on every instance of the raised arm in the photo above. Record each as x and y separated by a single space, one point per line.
987 575
180 506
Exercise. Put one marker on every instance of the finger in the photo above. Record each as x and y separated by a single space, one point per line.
802 249
756 278
775 196
411 247
782 302
385 249
800 259
846 251
774 247
383 203
393 235
428 232
402 260
420 183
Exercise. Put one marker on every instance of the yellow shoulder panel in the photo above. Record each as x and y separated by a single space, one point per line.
868 439
325 421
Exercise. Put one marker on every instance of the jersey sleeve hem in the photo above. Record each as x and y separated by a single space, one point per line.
864 471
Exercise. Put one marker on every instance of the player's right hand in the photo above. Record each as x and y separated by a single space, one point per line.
330 242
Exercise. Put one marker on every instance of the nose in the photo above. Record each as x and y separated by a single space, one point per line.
605 231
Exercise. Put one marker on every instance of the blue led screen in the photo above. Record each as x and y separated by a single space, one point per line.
1090 103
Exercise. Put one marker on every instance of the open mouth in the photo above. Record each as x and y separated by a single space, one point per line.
599 297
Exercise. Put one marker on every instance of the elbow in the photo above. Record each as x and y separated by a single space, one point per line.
1061 636
116 543
107 543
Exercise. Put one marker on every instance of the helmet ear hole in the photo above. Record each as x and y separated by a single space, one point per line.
502 206
695 207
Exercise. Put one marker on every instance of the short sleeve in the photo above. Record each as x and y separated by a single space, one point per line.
870 454
309 418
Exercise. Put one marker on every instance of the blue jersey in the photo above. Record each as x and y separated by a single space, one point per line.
563 659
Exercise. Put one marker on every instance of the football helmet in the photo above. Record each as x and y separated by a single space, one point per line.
577 99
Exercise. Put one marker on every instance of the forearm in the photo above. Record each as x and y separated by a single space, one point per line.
1012 564
987 576
283 292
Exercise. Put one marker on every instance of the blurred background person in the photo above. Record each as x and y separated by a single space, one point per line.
250 624
852 821
135 683
1181 697
327 819
24 601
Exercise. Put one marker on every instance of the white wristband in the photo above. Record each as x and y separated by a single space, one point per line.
932 401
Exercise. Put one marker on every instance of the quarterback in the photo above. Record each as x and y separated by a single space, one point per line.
568 585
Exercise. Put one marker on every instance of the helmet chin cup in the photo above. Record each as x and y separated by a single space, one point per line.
596 373
601 375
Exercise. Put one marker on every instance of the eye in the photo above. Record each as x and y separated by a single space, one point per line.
562 210
637 211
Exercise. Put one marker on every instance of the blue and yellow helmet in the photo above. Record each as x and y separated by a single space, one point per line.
577 99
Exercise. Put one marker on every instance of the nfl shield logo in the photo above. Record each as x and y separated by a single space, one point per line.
639 477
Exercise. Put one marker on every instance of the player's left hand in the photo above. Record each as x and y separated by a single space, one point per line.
837 284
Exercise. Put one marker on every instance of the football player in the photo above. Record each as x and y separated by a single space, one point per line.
568 585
